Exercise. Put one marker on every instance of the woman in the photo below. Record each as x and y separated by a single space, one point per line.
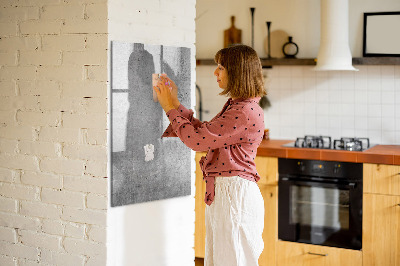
235 207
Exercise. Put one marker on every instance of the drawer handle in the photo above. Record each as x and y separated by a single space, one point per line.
318 254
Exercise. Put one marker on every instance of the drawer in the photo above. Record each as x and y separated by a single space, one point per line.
381 179
293 254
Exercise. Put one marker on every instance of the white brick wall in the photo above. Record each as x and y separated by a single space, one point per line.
53 121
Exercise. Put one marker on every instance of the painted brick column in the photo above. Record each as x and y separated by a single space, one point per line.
53 132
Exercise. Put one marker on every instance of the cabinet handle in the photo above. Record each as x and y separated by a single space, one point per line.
318 254
398 204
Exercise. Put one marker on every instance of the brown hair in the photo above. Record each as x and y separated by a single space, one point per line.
245 78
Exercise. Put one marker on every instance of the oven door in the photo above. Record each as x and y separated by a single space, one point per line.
321 212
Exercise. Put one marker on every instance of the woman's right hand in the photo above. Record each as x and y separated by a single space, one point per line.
174 89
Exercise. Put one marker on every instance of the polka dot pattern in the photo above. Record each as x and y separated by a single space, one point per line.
231 139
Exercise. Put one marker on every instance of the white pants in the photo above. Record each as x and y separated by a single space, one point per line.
234 223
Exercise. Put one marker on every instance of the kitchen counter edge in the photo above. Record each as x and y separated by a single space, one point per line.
378 154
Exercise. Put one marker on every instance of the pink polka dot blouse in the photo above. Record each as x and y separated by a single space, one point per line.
231 139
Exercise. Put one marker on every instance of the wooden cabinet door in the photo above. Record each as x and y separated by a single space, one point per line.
298 254
200 207
267 168
381 179
270 233
381 230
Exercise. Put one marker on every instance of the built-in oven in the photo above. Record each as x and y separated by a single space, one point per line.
320 202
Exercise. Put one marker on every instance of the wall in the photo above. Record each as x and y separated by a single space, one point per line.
338 104
298 18
341 104
53 156
158 232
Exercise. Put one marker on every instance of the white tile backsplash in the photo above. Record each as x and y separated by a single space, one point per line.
348 96
389 135
397 72
348 132
347 110
375 136
388 97
335 95
361 124
388 83
387 110
374 97
397 95
374 123
364 103
387 124
361 110
310 109
322 121
322 95
397 123
374 110
387 71
322 109
348 123
374 83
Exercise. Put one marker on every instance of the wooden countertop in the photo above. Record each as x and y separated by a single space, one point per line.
379 154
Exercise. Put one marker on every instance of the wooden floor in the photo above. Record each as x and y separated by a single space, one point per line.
199 262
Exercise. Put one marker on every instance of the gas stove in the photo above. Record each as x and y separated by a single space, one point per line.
325 142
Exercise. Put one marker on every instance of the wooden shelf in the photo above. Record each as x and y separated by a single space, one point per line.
376 61
288 62
268 63
312 61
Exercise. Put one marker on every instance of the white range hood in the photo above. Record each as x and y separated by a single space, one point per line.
334 51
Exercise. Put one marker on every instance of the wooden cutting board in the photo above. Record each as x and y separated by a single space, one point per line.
232 35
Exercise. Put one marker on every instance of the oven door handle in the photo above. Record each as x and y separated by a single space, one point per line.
330 184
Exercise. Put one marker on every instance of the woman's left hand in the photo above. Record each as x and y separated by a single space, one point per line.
164 95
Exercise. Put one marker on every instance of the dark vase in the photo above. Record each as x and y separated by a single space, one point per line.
290 49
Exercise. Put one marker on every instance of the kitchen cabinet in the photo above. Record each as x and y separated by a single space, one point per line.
270 233
381 221
381 215
381 179
200 207
381 230
298 254
267 167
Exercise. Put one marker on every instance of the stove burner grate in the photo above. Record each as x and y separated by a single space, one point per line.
321 142
351 144
324 142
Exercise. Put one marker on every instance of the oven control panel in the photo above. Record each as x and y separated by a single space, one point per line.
330 169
